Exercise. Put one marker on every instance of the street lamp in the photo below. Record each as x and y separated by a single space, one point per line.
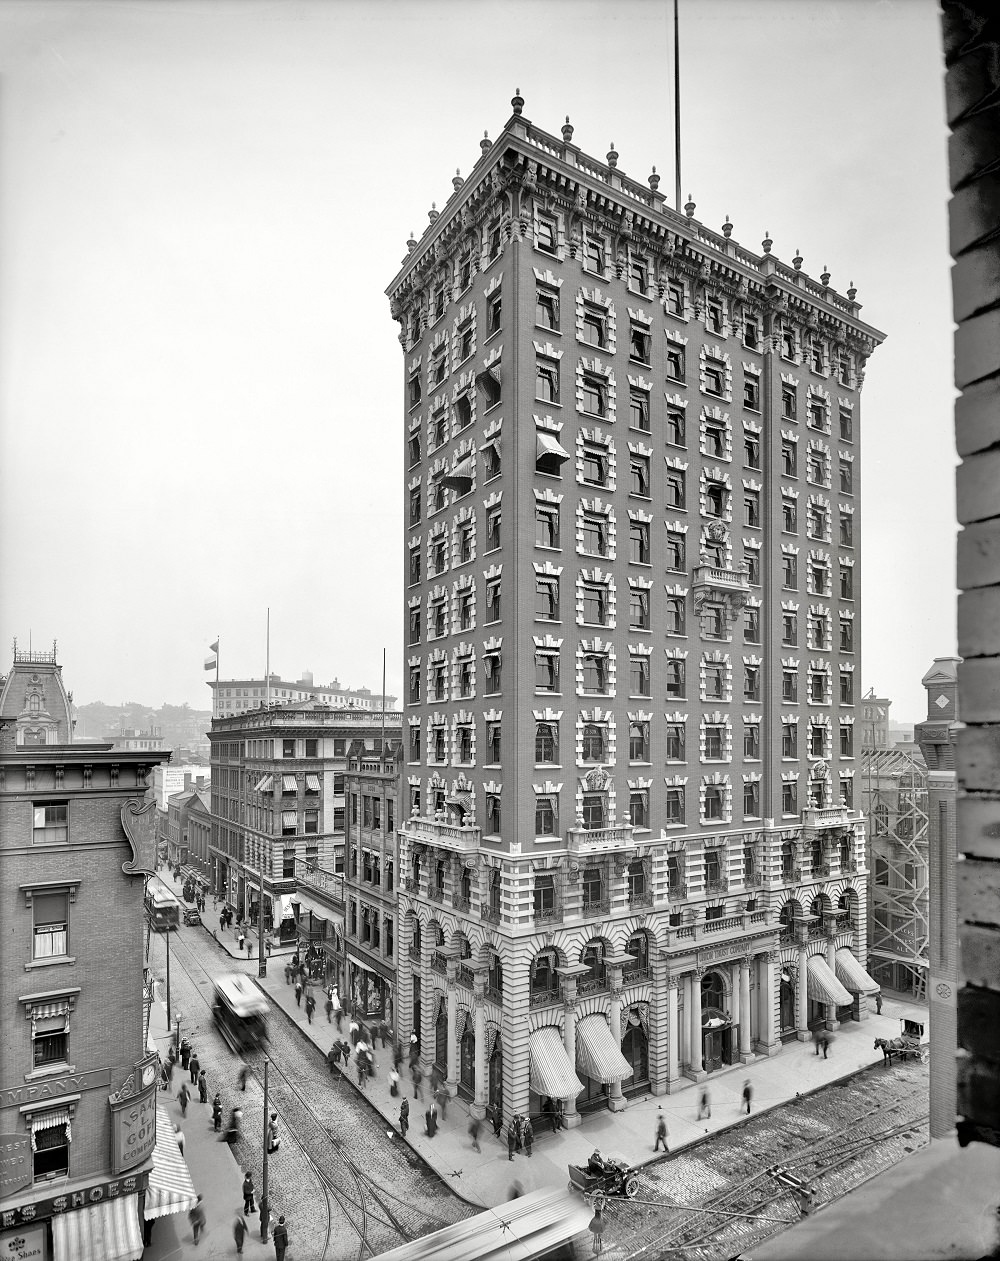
264 1212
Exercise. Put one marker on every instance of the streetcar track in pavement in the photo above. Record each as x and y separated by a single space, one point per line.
384 1228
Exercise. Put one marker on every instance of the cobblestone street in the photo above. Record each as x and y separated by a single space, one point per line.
833 1137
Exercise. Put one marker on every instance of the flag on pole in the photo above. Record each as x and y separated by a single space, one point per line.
212 661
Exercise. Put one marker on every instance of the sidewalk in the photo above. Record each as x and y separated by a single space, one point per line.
484 1179
215 1174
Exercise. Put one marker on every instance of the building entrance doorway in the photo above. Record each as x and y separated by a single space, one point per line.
635 1048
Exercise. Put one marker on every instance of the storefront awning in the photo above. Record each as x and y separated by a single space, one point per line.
99 1232
596 1052
550 1071
823 986
852 975
170 1187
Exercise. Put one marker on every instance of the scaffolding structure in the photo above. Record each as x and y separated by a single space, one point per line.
895 792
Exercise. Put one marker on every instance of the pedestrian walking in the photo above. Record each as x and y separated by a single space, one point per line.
202 1087
430 1117
288 974
182 1098
825 1043
244 1074
241 939
393 1082
168 1071
217 1113
511 1140
661 1131
298 993
397 1054
527 1134
560 1117
474 1128
194 1064
185 1053
179 1136
333 1056
329 1010
418 1078
240 1229
816 1041
310 1007
441 1095
249 947
280 1237
172 1055
248 1193
383 1033
196 1216
518 1131
704 1104
354 1031
747 1094
273 1141
404 1116
235 1126
878 1002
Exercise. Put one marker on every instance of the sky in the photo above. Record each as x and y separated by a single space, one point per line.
202 203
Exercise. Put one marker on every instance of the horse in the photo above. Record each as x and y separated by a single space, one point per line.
889 1047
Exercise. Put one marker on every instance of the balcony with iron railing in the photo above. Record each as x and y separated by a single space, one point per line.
548 915
586 841
462 905
677 892
435 894
645 898
543 998
632 976
791 875
494 995
465 976
490 914
328 886
592 909
717 884
592 985
439 963
414 953
458 839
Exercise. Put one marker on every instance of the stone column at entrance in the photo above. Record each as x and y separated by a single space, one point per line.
571 1117
746 1046
802 987
694 1016
616 1102
673 1036
452 1074
478 1107
767 979
830 924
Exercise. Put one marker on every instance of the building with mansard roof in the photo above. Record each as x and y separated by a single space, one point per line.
631 852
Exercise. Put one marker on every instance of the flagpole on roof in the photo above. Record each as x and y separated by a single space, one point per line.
218 640
267 659
382 738
677 111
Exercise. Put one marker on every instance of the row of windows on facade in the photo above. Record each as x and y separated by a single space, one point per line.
809 348
371 812
715 743
595 328
713 870
593 606
259 856
595 676
715 804
375 930
235 750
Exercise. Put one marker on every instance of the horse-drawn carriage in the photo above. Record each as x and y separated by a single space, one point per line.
605 1175
907 1047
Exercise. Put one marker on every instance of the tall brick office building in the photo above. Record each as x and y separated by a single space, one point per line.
77 1085
632 522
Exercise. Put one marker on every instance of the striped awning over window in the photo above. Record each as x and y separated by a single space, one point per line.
460 477
547 444
265 784
596 1052
853 975
289 819
288 783
48 1011
312 783
99 1232
48 1121
170 1187
550 1071
823 987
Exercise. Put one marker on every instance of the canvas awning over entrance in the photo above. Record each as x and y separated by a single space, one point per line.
170 1187
100 1232
550 1071
823 986
852 974
596 1052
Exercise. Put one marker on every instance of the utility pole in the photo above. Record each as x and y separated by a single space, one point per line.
264 1212
167 931
261 955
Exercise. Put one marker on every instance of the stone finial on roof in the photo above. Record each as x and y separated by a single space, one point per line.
825 277
654 180
767 242
852 293
797 260
727 227
567 131
689 207
486 142
457 180
411 244
517 101
612 156
433 213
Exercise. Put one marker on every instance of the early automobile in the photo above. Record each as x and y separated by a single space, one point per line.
191 915
606 1175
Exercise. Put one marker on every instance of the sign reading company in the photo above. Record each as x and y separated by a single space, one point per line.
39 1092
15 1163
133 1114
95 1194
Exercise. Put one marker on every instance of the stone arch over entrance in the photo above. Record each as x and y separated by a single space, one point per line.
717 1032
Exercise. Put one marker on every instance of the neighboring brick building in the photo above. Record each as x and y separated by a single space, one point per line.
181 845
632 627
77 1085
278 798
237 696
370 889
